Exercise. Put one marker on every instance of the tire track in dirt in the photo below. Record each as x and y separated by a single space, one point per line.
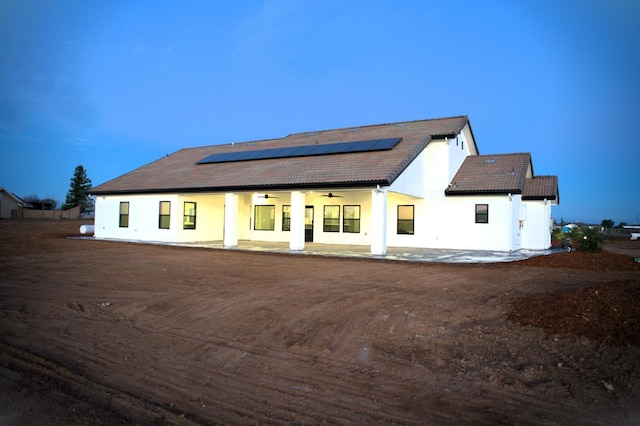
129 408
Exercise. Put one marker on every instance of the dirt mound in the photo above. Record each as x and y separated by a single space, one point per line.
592 261
609 314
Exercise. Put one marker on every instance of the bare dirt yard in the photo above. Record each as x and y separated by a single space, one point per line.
110 333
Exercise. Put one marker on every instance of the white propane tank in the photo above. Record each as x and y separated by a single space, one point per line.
86 229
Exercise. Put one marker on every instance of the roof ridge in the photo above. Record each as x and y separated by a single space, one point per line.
244 143
503 154
393 123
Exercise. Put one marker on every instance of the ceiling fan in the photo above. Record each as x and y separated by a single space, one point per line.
331 195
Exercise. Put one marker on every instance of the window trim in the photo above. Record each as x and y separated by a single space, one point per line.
255 217
325 219
123 220
482 217
161 216
188 219
412 220
355 221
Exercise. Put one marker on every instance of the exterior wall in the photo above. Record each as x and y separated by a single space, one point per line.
412 181
449 223
6 205
144 218
439 221
435 166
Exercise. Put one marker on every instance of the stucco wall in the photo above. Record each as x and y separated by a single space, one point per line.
144 217
6 205
439 221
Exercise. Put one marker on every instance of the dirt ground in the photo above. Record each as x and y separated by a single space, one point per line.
108 333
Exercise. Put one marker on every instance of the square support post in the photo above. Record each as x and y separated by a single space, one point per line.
378 222
230 220
296 241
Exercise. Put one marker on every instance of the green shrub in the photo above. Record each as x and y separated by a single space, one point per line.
575 234
592 240
557 234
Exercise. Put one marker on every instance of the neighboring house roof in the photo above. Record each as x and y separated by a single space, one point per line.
179 172
502 174
19 201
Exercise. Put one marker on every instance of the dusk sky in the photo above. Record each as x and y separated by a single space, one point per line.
115 85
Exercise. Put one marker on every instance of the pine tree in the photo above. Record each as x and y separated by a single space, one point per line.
78 194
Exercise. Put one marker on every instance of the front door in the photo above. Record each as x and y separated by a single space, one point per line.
308 224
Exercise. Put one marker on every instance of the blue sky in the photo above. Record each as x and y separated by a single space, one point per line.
115 85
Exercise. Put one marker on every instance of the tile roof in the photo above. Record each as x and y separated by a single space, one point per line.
541 187
179 172
502 174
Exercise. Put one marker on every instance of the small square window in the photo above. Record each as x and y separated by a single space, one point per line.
482 213
264 218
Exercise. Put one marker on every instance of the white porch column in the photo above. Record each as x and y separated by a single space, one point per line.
296 236
378 222
230 220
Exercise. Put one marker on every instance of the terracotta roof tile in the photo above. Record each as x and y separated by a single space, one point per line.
179 172
500 173
541 187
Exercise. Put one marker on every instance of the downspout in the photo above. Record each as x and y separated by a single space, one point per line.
548 230
510 222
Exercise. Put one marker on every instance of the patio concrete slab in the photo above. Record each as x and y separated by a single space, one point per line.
406 254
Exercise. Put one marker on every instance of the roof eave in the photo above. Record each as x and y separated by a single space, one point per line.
487 192
538 197
246 188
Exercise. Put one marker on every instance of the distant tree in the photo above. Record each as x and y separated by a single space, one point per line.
48 203
622 224
51 201
607 223
78 194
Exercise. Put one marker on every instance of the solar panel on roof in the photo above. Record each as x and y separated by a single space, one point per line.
259 154
382 144
334 148
303 151
299 151
239 156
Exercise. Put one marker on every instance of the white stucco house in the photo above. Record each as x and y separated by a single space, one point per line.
408 184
